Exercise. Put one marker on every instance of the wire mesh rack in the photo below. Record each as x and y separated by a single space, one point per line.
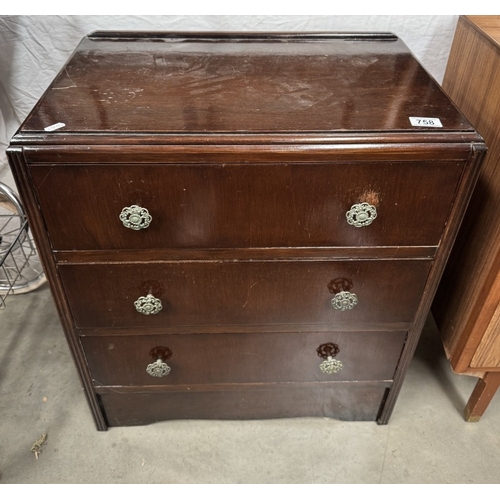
20 267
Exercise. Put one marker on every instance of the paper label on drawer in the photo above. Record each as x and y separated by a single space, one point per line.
420 121
56 126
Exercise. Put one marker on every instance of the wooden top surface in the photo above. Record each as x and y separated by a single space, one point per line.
489 25
246 83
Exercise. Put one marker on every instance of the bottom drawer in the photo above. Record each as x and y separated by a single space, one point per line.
340 400
193 359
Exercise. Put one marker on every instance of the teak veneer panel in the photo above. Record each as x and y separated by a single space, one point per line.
488 352
466 305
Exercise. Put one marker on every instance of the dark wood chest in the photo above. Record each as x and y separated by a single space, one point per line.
243 225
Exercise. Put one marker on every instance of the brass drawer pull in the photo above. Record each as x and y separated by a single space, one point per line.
328 352
361 214
344 301
148 305
135 217
159 368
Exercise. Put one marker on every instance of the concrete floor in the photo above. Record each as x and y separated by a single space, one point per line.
426 441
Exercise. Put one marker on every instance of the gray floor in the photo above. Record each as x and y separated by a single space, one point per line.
426 441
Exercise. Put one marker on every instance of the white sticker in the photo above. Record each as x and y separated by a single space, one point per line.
56 126
419 121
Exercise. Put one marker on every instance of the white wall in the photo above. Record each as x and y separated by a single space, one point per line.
33 48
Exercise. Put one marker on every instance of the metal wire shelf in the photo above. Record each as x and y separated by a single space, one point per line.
20 267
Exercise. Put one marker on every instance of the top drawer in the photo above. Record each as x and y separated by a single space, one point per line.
245 205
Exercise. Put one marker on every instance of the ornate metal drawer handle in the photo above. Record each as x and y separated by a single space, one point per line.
361 214
344 301
135 217
328 352
159 368
148 305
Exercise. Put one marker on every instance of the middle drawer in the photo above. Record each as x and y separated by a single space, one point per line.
356 294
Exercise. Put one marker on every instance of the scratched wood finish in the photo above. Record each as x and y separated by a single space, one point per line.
248 149
266 83
466 305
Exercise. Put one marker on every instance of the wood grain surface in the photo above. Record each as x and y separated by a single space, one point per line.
245 205
470 290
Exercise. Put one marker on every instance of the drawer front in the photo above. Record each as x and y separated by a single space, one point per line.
366 293
241 358
240 206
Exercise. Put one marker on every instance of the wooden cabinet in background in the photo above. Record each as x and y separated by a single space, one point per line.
467 304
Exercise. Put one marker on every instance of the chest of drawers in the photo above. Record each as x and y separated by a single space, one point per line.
243 225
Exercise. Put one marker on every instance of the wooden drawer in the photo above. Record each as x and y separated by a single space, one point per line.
240 205
245 293
242 358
